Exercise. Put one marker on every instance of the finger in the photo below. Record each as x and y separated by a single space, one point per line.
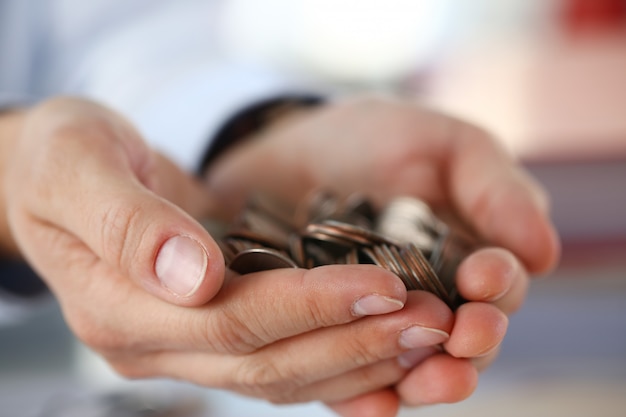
493 275
381 403
100 197
104 309
502 201
250 311
362 380
439 379
273 305
478 329
424 321
483 362
355 383
279 369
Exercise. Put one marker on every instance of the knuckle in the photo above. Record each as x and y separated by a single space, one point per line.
316 316
120 233
313 307
363 352
376 376
229 334
265 379
363 349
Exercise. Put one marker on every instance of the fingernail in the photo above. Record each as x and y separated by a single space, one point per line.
412 358
375 304
487 351
418 336
181 265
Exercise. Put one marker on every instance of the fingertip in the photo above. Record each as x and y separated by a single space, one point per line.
506 205
496 276
479 329
520 224
487 274
383 403
190 271
439 379
369 289
483 362
547 253
433 313
538 244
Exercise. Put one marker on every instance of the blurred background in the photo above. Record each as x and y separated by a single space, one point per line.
548 78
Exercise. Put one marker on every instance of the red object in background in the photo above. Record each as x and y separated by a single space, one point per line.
581 16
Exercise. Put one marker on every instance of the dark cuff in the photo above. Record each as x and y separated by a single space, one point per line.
252 119
18 279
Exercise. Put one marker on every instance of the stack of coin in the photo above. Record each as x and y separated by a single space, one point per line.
404 237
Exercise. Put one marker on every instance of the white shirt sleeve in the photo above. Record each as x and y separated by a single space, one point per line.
160 63
162 67
181 117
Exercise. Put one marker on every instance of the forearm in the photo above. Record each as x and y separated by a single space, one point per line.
10 124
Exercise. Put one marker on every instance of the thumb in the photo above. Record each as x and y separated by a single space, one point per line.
158 246
181 263
101 184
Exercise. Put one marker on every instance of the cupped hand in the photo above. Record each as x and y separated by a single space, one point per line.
109 225
383 148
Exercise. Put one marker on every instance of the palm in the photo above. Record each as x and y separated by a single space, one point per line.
383 149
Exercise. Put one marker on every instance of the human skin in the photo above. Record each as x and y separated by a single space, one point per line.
384 147
110 225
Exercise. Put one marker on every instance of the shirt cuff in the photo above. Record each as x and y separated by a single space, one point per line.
21 291
254 118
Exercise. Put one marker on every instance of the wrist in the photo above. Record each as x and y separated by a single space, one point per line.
11 122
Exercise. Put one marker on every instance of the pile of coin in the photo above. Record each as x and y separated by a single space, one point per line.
404 237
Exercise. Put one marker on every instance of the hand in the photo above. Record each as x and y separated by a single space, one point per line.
383 148
106 222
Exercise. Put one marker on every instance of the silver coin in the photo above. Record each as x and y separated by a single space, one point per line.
260 259
405 237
